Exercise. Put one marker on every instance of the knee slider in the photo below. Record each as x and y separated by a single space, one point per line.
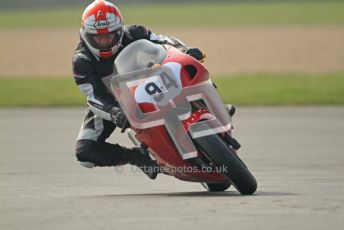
87 164
84 160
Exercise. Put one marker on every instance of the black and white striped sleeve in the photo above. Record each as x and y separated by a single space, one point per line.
99 101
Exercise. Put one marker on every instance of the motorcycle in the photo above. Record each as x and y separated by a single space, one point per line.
176 113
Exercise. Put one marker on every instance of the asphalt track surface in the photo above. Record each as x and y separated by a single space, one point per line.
296 154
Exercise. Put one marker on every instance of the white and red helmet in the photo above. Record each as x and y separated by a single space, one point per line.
102 28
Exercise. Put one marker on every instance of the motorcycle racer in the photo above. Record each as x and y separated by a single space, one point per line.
102 37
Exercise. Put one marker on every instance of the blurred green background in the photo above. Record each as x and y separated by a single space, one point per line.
243 89
179 13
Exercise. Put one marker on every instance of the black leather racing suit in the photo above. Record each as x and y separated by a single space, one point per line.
97 126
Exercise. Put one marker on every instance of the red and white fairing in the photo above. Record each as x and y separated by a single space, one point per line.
177 64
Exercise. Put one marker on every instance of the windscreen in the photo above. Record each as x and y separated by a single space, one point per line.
139 55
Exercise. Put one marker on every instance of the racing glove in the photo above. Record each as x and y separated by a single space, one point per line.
119 118
196 53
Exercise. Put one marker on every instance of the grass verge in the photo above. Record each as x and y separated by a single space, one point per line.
39 92
282 89
251 89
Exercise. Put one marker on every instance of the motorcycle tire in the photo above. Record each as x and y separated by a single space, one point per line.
223 157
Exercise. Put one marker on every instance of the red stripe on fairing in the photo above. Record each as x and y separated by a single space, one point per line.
147 107
195 117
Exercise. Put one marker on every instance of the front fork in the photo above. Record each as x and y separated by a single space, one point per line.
227 136
231 141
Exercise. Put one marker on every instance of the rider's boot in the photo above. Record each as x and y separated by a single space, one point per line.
140 157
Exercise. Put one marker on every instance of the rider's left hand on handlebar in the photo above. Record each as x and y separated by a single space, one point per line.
196 53
119 118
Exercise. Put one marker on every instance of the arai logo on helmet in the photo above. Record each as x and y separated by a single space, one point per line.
101 24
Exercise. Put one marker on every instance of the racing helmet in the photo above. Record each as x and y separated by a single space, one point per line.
102 28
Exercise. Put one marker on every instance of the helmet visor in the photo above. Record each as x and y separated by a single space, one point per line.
104 42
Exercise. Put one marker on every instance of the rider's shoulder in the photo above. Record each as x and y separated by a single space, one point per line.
82 54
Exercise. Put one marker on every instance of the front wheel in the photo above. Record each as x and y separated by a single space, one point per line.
224 158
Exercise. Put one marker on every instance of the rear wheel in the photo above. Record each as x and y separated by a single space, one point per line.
229 164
